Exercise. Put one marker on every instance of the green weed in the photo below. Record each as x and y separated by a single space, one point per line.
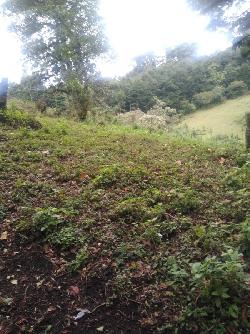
65 238
185 202
173 270
16 119
160 204
245 237
152 234
209 238
48 219
122 285
79 261
236 179
217 286
107 177
129 252
132 209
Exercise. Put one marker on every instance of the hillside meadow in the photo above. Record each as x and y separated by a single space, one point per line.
118 230
224 120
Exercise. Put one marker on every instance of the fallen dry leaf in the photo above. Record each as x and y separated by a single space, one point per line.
84 176
222 161
73 290
51 309
100 329
4 236
6 301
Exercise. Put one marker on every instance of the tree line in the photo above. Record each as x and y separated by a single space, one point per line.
62 39
182 81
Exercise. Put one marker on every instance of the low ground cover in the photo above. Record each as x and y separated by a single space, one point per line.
117 230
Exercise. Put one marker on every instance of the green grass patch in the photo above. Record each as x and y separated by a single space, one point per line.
222 122
17 119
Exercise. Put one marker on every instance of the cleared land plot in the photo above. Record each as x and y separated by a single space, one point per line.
226 119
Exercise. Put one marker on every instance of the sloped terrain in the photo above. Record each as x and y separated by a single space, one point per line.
226 119
112 230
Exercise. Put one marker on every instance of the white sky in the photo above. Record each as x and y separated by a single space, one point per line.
133 27
10 53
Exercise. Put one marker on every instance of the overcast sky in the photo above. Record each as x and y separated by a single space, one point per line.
137 26
133 27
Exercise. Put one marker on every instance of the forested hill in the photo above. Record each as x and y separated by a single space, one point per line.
182 80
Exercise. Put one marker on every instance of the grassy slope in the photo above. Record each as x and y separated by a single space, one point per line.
108 219
224 119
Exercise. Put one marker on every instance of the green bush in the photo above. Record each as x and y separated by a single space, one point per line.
103 114
64 238
236 88
207 98
79 261
245 237
217 289
186 107
202 99
185 202
47 220
17 119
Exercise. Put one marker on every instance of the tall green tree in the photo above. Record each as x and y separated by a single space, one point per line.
62 39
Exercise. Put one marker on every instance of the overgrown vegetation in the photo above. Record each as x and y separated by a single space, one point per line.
17 119
182 80
122 220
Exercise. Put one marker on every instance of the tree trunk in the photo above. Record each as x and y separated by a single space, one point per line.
3 93
81 99
248 131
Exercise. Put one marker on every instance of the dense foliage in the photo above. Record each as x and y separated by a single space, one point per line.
62 39
182 81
